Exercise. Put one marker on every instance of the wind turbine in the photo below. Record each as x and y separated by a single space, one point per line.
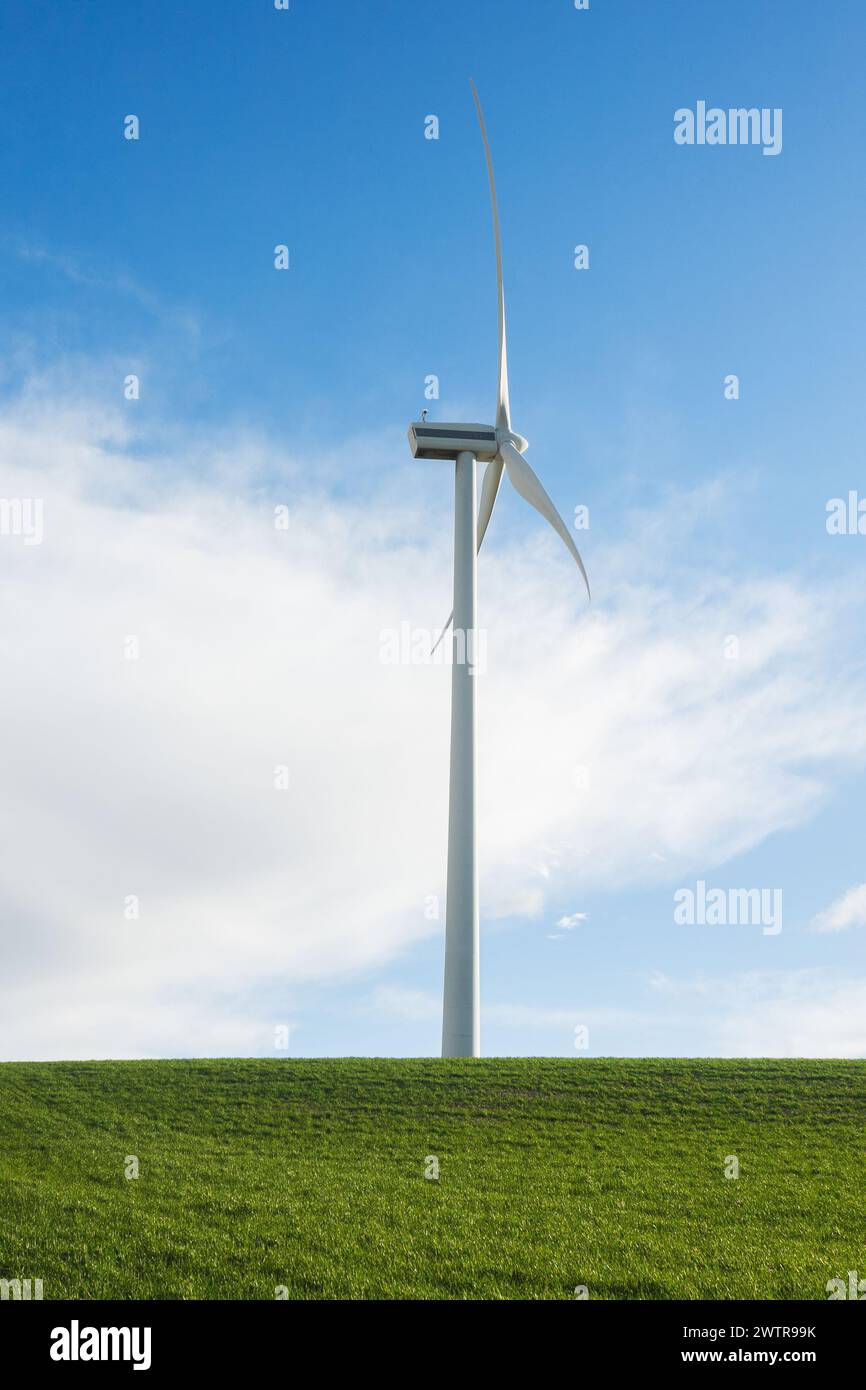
501 449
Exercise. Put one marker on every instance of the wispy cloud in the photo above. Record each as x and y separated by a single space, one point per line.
409 1005
121 283
784 1013
847 911
570 922
416 1006
542 1018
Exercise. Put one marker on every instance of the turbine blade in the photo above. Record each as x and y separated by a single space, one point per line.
503 409
443 632
489 489
526 482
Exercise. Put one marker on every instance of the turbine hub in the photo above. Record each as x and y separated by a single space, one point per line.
520 444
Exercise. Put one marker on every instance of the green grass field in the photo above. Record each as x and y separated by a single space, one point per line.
552 1174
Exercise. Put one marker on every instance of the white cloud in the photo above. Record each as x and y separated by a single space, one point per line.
541 1018
570 922
416 1006
261 648
847 911
784 1013
409 1005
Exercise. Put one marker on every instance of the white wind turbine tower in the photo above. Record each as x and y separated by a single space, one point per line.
500 448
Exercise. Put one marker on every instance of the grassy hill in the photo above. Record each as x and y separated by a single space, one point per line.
552 1174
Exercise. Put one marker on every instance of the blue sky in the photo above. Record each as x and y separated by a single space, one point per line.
306 127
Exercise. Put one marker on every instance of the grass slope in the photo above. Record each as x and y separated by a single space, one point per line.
553 1174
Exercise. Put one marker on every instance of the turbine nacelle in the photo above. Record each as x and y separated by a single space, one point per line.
445 441
435 440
